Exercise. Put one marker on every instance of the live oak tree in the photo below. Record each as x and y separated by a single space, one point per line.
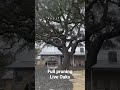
16 29
102 23
16 23
60 23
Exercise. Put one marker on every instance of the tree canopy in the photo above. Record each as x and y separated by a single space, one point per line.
16 29
60 23
102 19
16 23
102 23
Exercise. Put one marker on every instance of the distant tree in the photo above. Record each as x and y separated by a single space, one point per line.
60 23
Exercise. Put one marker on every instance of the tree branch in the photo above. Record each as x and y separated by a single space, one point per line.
90 5
75 45
12 45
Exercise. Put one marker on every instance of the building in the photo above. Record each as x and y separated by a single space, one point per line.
106 73
20 75
77 60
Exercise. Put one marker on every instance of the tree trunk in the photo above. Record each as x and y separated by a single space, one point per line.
91 60
66 61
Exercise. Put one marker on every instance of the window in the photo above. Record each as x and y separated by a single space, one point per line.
82 50
112 56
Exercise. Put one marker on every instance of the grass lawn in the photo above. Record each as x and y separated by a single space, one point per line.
79 80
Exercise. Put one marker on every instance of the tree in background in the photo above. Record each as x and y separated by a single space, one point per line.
60 23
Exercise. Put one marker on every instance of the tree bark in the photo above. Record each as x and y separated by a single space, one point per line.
91 60
66 61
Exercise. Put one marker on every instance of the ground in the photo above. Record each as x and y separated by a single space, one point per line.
79 80
43 81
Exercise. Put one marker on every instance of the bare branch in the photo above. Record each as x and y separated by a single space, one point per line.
11 45
75 45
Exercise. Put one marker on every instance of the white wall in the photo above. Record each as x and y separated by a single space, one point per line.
102 57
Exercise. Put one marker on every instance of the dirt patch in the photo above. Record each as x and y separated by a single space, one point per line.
79 80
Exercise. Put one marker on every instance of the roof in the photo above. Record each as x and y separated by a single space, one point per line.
54 51
22 64
26 55
103 60
106 66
